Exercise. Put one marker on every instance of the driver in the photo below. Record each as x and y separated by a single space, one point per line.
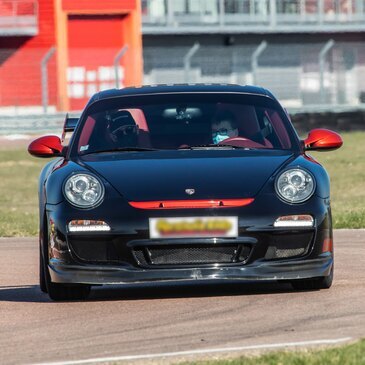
122 129
224 126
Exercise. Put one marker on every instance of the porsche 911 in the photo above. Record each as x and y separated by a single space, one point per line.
183 183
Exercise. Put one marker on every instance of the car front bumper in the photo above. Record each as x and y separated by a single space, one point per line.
109 258
270 271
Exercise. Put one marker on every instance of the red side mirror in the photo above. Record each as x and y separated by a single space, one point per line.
47 146
322 140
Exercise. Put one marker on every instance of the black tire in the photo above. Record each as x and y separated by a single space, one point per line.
42 279
57 291
65 292
324 282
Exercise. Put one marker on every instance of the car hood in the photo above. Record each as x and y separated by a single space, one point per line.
165 175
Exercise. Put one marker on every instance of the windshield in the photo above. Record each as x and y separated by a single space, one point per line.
184 121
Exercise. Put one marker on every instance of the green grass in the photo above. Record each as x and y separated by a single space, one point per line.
19 175
353 354
19 197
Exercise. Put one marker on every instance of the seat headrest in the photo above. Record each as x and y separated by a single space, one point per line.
122 118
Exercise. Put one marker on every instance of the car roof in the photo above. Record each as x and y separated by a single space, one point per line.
181 88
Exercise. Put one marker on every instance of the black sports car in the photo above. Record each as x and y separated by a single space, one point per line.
183 183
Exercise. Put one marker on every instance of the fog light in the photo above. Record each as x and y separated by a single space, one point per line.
303 220
82 225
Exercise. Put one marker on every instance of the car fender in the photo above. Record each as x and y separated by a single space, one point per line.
317 170
42 195
56 178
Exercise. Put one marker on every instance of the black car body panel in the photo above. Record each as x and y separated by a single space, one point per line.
167 174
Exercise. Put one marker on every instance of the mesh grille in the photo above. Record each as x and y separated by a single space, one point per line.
188 255
275 253
94 249
287 246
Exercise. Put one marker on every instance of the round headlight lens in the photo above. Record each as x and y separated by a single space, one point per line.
295 185
83 190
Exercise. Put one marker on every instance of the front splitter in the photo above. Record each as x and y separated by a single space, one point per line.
270 271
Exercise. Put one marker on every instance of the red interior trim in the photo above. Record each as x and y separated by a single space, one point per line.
191 204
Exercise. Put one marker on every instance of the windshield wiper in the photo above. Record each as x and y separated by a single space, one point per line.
212 146
122 149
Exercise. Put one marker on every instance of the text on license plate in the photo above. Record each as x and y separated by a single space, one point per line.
193 227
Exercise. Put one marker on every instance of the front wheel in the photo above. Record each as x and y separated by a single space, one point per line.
64 292
57 291
324 282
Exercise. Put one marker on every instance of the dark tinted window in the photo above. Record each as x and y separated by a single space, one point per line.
173 121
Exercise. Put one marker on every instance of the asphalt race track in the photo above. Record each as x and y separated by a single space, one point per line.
168 321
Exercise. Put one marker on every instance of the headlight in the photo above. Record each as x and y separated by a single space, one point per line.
83 190
295 185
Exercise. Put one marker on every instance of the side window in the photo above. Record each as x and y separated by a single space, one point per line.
279 128
87 130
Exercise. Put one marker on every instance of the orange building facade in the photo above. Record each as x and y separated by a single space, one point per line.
78 48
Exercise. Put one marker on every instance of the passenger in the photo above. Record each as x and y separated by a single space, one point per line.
224 126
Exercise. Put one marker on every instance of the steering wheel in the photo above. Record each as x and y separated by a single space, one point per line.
241 142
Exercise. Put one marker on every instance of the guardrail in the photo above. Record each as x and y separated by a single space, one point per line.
33 124
340 118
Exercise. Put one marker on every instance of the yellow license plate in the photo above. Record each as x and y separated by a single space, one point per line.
192 227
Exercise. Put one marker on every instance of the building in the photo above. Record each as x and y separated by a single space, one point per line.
54 54
308 52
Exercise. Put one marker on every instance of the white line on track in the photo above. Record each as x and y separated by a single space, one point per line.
200 352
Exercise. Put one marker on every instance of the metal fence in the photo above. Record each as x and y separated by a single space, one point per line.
299 74
302 75
21 77
29 78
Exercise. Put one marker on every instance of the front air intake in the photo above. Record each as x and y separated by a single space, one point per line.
277 253
161 255
283 246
